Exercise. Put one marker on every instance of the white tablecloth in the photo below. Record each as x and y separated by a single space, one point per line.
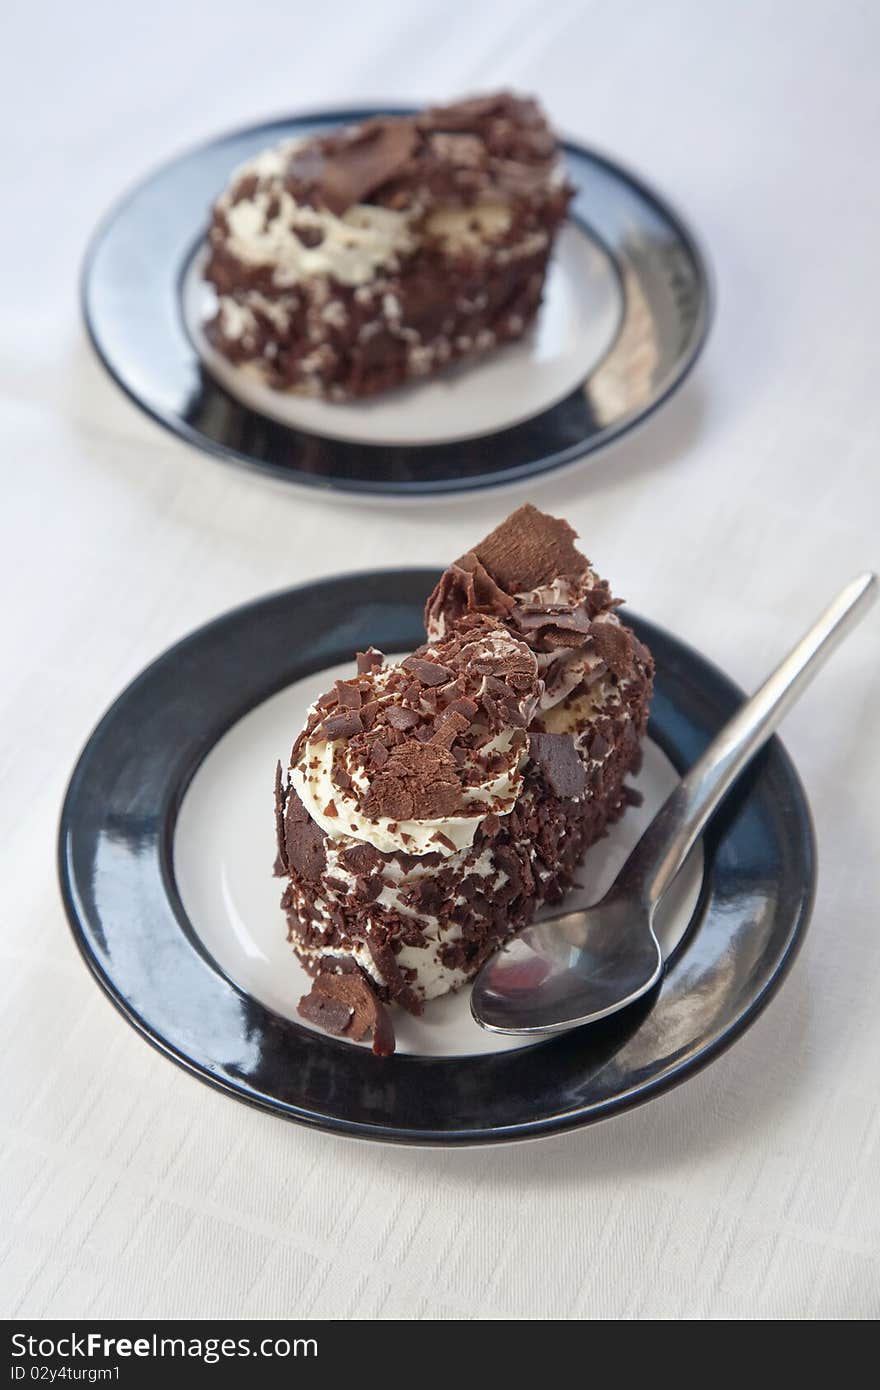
126 1187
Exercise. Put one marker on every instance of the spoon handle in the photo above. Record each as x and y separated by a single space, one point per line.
665 844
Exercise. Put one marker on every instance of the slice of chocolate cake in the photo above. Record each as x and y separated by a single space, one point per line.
350 262
431 806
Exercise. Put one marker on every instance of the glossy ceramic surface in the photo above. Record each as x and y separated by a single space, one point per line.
117 875
628 308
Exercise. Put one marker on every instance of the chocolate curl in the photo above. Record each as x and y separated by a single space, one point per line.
466 587
530 549
362 164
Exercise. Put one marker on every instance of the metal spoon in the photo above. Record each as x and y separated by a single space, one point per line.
581 966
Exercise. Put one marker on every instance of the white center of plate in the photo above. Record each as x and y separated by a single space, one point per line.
224 848
575 327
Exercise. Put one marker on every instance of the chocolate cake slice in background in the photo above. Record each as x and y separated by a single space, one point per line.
430 806
350 262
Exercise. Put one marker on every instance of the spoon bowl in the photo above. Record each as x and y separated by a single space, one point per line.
559 971
577 967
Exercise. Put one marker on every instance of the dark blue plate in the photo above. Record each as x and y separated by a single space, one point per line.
132 300
117 879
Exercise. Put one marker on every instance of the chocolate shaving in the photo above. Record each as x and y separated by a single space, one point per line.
466 587
386 964
362 163
420 782
554 626
370 888
428 672
281 864
303 840
612 642
348 695
448 727
333 1015
529 549
379 753
351 988
554 637
599 747
369 711
368 659
442 839
342 1002
341 725
400 718
562 768
389 798
463 705
361 859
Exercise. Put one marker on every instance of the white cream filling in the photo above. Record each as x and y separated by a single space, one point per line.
311 776
433 978
472 229
353 247
570 718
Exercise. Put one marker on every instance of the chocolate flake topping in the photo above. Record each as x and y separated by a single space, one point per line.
500 144
428 672
281 864
362 859
529 549
557 757
368 659
303 840
400 718
379 753
527 553
342 1002
612 642
341 725
419 782
348 694
447 729
361 163
333 1015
